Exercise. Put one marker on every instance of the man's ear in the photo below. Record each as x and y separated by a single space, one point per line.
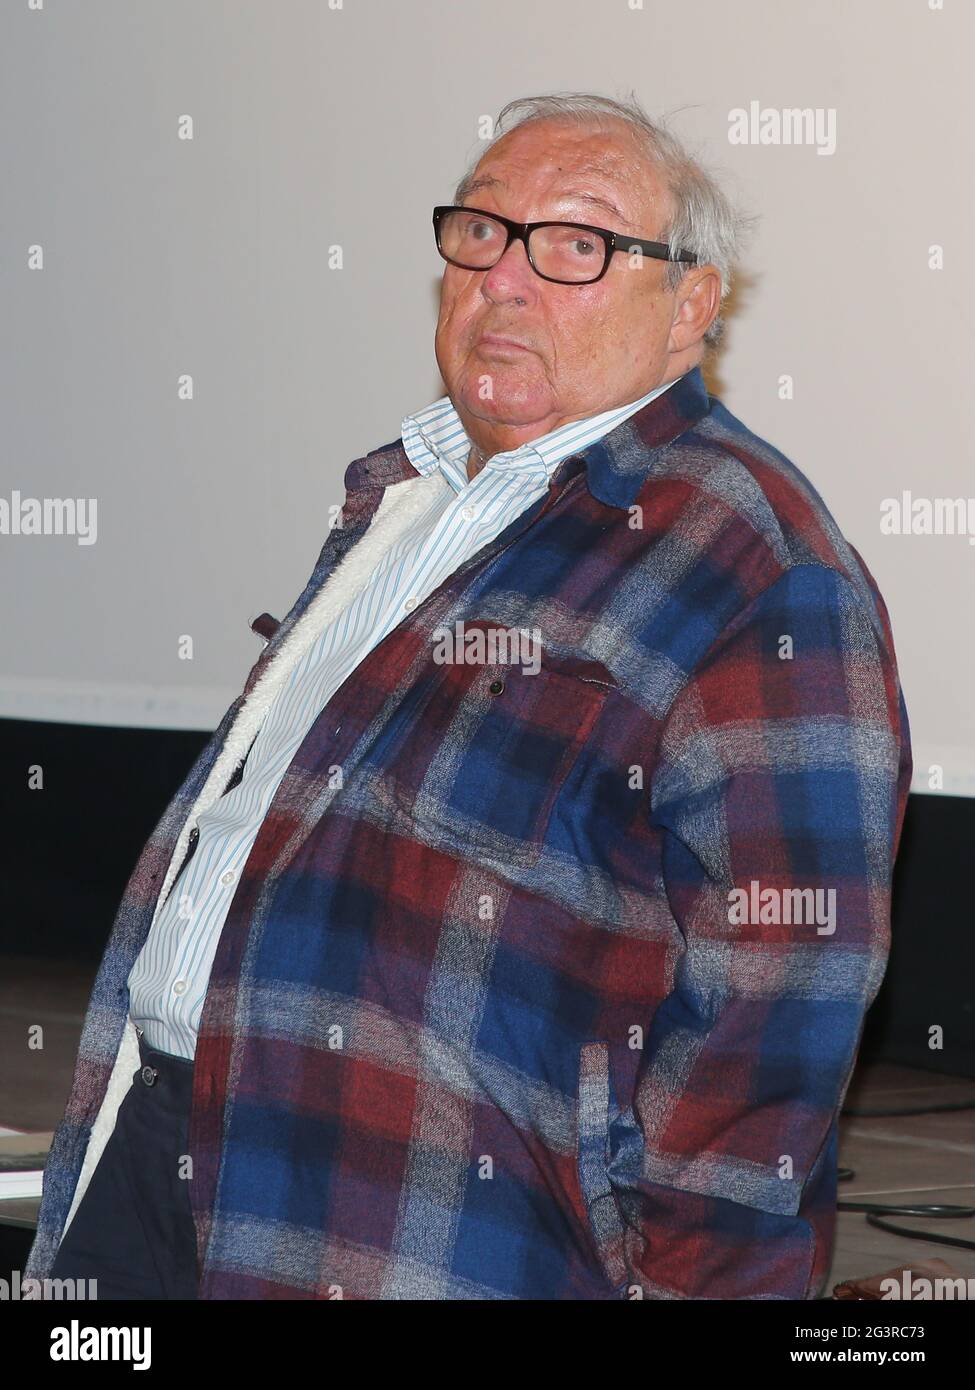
697 301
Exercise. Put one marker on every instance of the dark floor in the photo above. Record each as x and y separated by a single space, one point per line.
926 1158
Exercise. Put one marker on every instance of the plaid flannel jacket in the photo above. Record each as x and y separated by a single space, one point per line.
516 997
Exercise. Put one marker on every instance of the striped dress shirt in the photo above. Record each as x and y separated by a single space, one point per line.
168 982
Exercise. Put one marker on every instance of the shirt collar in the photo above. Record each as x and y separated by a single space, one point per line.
435 438
617 465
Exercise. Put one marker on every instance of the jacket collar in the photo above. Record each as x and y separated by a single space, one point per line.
617 465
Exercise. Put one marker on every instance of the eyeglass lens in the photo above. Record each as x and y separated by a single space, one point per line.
566 253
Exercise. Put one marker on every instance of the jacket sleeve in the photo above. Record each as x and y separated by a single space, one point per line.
779 791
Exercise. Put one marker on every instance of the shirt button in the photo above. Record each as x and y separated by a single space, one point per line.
179 986
468 513
228 877
410 604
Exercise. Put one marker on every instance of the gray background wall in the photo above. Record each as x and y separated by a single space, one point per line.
208 256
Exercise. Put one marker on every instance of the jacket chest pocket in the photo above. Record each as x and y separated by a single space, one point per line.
476 754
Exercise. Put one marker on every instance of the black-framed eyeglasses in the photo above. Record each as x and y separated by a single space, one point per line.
568 253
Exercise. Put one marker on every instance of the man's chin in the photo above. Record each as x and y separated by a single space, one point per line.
510 406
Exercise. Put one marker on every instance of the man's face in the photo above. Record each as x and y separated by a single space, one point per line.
583 348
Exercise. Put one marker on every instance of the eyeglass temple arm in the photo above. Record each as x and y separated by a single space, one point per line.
659 250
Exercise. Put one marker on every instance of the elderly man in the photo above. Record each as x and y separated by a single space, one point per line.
513 934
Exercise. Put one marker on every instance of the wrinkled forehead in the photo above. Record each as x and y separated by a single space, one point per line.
546 166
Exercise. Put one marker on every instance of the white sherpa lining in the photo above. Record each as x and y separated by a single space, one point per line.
402 504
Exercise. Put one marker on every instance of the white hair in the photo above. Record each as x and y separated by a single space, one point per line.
702 219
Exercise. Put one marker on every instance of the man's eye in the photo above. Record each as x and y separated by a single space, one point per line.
582 248
481 231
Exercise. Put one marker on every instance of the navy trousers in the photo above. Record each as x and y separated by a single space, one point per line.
133 1230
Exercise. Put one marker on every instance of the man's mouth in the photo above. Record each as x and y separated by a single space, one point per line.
500 342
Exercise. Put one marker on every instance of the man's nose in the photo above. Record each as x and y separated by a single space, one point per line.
511 278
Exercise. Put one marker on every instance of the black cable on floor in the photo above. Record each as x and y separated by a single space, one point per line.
933 1211
956 1241
912 1110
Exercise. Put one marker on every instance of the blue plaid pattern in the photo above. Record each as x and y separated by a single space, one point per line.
482 1021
